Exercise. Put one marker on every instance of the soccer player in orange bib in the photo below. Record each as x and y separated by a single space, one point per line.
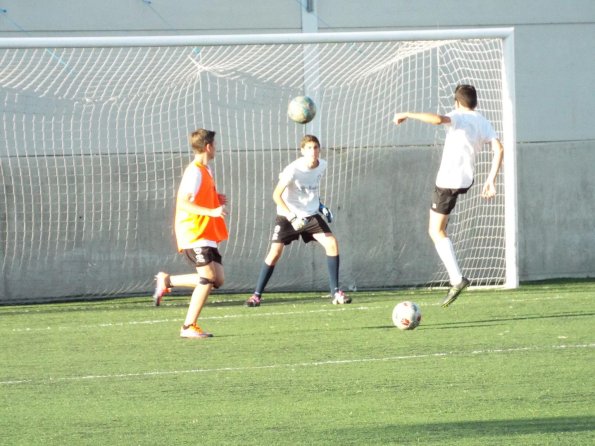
199 228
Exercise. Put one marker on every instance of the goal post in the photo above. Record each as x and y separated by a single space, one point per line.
95 137
510 160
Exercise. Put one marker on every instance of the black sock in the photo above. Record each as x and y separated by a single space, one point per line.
263 278
333 272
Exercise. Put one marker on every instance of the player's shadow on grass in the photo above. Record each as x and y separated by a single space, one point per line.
500 321
425 325
268 301
447 431
221 303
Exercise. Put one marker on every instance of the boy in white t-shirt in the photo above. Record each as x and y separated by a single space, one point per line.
297 196
467 132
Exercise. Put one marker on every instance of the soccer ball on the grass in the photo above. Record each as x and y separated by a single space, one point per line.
406 315
301 109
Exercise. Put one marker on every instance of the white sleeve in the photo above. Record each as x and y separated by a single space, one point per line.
488 131
191 181
288 174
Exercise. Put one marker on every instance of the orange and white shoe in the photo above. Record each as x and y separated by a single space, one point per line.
161 288
194 331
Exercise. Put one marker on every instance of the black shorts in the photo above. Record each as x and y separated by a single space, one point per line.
284 232
444 200
202 256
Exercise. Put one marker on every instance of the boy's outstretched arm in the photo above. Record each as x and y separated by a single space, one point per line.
428 118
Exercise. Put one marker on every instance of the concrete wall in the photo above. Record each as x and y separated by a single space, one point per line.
554 71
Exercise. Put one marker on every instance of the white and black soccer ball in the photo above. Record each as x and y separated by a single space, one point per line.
301 109
406 315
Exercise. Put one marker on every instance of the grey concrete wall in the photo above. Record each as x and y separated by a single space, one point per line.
554 71
557 212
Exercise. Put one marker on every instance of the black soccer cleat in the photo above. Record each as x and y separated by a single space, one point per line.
454 292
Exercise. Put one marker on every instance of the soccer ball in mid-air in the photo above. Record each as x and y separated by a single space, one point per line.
406 315
301 109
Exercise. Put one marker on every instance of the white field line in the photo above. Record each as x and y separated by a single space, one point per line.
438 302
248 313
295 365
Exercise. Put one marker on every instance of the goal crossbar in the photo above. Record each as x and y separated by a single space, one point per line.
252 39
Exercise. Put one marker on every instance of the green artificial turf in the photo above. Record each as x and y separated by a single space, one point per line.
498 367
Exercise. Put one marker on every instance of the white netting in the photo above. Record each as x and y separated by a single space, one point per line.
93 142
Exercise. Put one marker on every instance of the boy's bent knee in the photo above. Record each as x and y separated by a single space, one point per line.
331 245
205 281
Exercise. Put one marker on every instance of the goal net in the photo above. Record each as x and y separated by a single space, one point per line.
95 133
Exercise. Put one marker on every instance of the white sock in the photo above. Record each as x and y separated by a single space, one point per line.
447 255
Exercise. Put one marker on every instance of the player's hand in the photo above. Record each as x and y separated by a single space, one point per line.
219 212
296 222
222 198
326 212
489 190
399 118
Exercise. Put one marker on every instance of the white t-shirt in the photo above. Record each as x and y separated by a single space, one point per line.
467 132
302 194
191 180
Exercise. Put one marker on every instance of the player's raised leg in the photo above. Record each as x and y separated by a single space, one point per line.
162 287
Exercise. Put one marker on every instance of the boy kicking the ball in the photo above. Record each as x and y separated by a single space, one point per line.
199 228
297 196
467 132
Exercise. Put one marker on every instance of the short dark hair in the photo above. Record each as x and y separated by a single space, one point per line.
309 138
200 138
466 96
